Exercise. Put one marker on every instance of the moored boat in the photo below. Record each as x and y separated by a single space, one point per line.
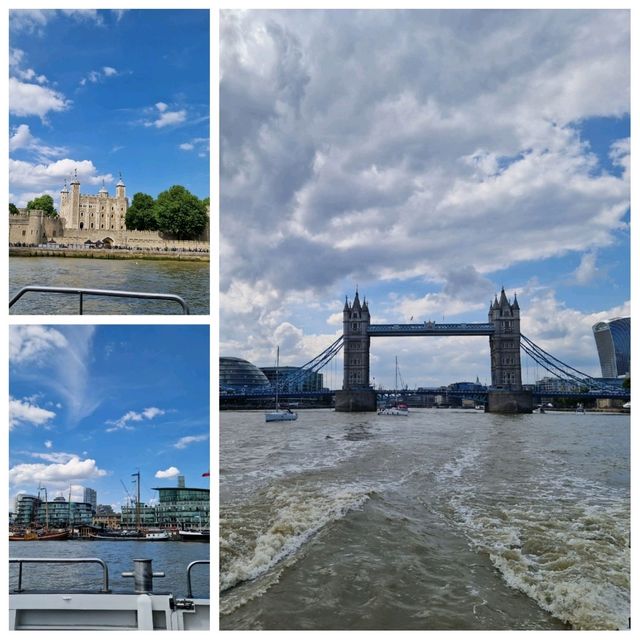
29 536
194 535
279 415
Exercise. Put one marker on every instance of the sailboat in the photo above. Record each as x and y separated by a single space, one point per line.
396 409
279 415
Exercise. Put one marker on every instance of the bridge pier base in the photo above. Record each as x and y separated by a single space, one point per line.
509 402
356 400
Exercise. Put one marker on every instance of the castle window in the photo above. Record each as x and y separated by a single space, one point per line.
24 233
92 225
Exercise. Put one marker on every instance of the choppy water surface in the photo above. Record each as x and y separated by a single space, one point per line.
170 557
443 520
189 280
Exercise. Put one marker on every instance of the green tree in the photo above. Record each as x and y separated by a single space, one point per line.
13 208
626 383
44 203
141 214
180 213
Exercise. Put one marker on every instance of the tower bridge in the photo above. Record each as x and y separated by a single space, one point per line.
502 328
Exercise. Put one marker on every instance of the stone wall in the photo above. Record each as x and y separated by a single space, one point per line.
34 228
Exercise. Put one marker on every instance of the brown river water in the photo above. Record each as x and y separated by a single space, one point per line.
189 280
446 519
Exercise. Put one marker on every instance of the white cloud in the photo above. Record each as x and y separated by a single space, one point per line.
23 412
185 441
48 444
134 416
200 145
22 138
29 20
48 177
354 161
56 475
171 472
59 457
34 100
97 76
166 118
587 269
33 343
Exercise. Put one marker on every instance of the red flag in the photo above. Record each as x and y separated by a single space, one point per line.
205 475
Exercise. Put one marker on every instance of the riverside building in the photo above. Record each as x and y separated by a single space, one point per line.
613 340
177 507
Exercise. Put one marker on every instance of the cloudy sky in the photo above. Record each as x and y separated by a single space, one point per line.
104 92
428 158
90 405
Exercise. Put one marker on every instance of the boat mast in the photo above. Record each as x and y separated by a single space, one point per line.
395 390
277 374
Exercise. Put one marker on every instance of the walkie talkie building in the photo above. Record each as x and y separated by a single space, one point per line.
613 340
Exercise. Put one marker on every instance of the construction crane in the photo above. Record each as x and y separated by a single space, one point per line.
124 486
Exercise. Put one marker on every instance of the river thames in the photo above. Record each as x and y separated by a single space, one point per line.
189 280
170 557
447 519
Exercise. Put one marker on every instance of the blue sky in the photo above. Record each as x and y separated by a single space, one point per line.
428 157
90 405
108 91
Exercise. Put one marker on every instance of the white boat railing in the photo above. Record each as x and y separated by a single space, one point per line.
191 565
102 563
81 292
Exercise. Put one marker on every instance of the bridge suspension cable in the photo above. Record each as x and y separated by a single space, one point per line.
291 381
561 369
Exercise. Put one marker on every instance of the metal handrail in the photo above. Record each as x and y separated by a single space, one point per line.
170 297
191 564
102 563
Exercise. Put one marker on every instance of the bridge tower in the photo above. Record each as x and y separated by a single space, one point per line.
356 394
505 343
355 321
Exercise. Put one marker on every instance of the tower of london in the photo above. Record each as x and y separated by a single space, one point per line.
102 211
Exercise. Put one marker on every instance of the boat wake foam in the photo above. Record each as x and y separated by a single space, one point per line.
257 537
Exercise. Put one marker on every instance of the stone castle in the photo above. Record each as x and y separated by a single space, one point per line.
93 219
102 211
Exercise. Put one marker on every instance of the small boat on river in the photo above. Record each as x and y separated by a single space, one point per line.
397 408
30 536
279 415
194 535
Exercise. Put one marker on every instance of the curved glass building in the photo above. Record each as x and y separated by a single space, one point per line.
613 340
238 375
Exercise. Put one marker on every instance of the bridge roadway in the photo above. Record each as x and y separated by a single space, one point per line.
622 394
432 329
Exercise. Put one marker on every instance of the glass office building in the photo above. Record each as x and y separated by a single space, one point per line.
238 375
182 507
613 340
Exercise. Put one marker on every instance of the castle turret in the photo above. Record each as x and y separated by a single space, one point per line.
73 210
120 189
